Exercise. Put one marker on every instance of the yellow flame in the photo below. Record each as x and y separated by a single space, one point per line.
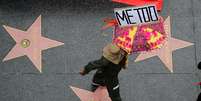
132 33
131 36
153 38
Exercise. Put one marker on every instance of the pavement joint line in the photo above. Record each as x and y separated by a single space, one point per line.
93 73
195 39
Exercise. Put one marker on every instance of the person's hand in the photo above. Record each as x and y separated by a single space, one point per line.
82 72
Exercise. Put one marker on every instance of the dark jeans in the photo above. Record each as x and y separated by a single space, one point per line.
112 84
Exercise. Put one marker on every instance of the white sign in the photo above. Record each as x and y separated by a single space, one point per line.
136 15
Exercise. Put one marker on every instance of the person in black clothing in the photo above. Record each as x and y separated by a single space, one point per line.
108 68
199 65
199 96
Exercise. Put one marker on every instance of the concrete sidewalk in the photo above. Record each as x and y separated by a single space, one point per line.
77 23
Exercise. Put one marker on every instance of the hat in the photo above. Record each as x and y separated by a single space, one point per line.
112 53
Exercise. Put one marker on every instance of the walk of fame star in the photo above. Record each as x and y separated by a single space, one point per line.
101 94
30 43
165 53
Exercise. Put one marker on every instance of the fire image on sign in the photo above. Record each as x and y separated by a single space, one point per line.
144 37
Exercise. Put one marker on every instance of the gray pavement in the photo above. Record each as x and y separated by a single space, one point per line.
77 23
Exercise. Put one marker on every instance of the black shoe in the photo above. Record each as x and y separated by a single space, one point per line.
94 87
116 99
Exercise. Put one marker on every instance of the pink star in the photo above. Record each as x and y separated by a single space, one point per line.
101 94
30 43
165 53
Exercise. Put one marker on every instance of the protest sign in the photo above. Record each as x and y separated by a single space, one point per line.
144 37
136 15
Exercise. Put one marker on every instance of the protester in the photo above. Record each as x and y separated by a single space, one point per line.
108 68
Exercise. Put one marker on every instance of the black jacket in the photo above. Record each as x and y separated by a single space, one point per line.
103 65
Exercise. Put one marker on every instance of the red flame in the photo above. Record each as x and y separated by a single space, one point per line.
158 3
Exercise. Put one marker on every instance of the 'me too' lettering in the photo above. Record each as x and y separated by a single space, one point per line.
136 15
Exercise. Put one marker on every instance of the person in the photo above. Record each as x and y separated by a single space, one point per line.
199 96
108 67
199 66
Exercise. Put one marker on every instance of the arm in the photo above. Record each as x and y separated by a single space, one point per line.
124 62
95 65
